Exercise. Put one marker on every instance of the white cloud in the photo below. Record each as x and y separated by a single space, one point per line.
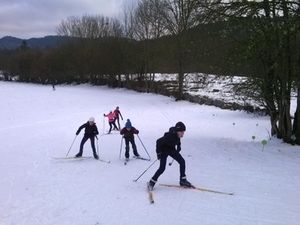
31 18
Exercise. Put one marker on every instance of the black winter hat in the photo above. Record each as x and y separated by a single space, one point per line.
180 126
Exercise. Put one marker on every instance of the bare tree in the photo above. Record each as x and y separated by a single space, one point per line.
148 19
90 27
270 44
148 24
180 16
128 21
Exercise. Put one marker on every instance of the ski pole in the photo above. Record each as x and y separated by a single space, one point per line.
103 130
97 145
170 163
71 145
121 147
145 171
144 147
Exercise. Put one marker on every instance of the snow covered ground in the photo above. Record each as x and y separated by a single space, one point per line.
213 87
222 149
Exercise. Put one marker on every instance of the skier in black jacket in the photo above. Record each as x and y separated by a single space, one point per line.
165 146
90 132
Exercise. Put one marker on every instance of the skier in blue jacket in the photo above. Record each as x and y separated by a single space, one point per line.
128 133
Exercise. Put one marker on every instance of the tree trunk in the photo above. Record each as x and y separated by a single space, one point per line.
285 123
181 60
120 81
180 84
270 99
296 124
285 126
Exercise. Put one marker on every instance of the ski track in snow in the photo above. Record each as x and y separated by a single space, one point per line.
38 124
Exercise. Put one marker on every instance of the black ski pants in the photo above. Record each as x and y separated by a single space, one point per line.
111 124
84 139
127 141
118 122
163 161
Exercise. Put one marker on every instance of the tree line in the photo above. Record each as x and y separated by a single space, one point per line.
257 39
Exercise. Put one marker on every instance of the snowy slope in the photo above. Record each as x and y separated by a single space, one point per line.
38 124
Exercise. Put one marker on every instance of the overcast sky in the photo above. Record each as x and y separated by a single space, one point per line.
38 18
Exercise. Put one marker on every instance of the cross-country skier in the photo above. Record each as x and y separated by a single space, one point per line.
117 114
90 132
128 133
111 120
165 146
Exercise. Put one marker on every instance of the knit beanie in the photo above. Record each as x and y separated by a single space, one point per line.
180 126
92 119
128 124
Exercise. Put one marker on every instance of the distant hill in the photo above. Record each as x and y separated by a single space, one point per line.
10 43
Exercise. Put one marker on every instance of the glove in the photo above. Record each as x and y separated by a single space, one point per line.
103 114
77 133
158 156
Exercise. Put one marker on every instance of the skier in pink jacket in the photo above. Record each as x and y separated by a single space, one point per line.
111 120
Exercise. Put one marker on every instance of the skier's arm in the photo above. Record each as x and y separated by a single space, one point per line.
178 146
135 131
160 143
158 148
96 131
80 128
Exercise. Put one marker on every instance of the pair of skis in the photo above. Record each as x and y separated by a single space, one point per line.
151 197
197 188
80 158
135 157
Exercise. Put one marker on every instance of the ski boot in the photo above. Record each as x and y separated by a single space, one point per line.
78 155
184 183
151 184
